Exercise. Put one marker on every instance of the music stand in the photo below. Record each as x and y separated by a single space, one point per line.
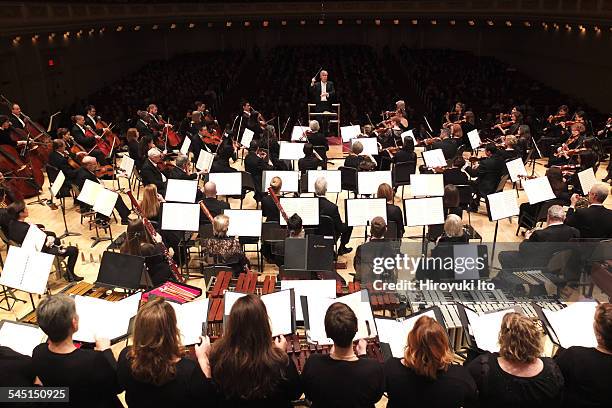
310 257
119 270
55 190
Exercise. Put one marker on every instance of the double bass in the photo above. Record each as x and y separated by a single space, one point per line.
18 176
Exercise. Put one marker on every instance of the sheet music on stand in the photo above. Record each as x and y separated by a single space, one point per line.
126 165
291 151
280 307
90 192
247 138
306 207
516 168
26 270
185 145
182 191
315 307
485 328
423 211
333 178
474 139
290 179
191 320
370 145
99 318
228 184
180 217
349 132
21 337
502 205
360 211
205 160
325 288
427 185
573 325
101 199
538 190
434 158
298 133
409 133
244 223
587 180
368 181
58 183
35 239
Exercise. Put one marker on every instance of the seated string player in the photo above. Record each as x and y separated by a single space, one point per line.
345 377
378 247
326 207
89 374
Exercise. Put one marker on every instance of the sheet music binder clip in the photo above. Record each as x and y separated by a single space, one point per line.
119 270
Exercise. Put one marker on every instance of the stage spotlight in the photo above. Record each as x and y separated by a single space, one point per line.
452 22
228 23
434 22
137 28
527 24
396 22
321 22
472 23
508 23
247 23
302 22
415 22
284 22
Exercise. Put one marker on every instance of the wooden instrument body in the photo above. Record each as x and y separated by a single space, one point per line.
11 163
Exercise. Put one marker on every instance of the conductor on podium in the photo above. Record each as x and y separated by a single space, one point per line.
323 94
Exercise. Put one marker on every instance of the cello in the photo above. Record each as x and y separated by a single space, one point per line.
170 136
19 178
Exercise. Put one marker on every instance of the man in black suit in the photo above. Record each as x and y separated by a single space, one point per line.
250 120
268 207
255 165
151 174
330 209
86 142
454 175
446 143
322 93
377 247
533 252
58 161
594 221
17 118
310 161
489 172
181 171
215 206
142 125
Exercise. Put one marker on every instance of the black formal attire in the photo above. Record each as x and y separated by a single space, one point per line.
317 139
158 268
151 174
436 230
338 383
394 213
91 122
489 173
309 163
17 121
59 162
84 174
342 230
593 222
502 390
87 143
250 120
215 207
366 253
179 174
322 106
134 151
188 386
455 176
404 156
353 161
448 146
531 210
443 250
255 165
269 209
15 369
588 375
90 375
220 165
5 138
452 388
144 129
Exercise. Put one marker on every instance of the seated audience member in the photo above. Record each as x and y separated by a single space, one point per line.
426 377
377 247
532 252
517 376
214 205
394 213
223 249
330 209
268 207
344 377
594 221
250 368
15 369
154 372
588 371
89 374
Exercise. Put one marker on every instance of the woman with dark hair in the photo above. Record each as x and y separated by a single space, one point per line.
426 377
134 146
394 213
153 370
406 153
249 367
310 161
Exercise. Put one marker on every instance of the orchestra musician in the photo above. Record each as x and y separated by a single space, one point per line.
344 377
354 158
454 173
143 125
394 213
447 142
251 119
228 150
214 205
131 136
406 152
455 116
156 121
377 247
562 154
594 221
310 161
59 161
17 118
91 120
322 94
151 173
5 133
488 172
181 170
450 205
79 132
255 165
223 249
268 206
330 209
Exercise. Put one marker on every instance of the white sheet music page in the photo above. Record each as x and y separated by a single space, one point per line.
423 211
183 191
422 185
229 298
434 158
316 288
368 181
349 132
58 183
180 217
291 151
299 133
105 202
306 207
99 318
474 139
227 183
185 146
205 160
290 179
127 165
516 168
370 145
333 178
395 333
360 303
244 223
26 270
409 133
247 137
587 180
360 211
280 311
485 328
503 204
538 190
35 239
189 318
19 337
90 192
573 325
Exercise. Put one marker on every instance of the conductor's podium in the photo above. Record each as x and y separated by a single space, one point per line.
333 116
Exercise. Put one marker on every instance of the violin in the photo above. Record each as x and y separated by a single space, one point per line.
211 136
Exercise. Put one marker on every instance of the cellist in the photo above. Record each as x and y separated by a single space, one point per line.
79 132
18 119
5 133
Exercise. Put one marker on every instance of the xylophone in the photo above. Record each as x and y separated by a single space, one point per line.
380 301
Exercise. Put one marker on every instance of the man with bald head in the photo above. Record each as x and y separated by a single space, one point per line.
594 221
323 94
215 206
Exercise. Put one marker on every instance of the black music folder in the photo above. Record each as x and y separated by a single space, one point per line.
121 271
313 253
